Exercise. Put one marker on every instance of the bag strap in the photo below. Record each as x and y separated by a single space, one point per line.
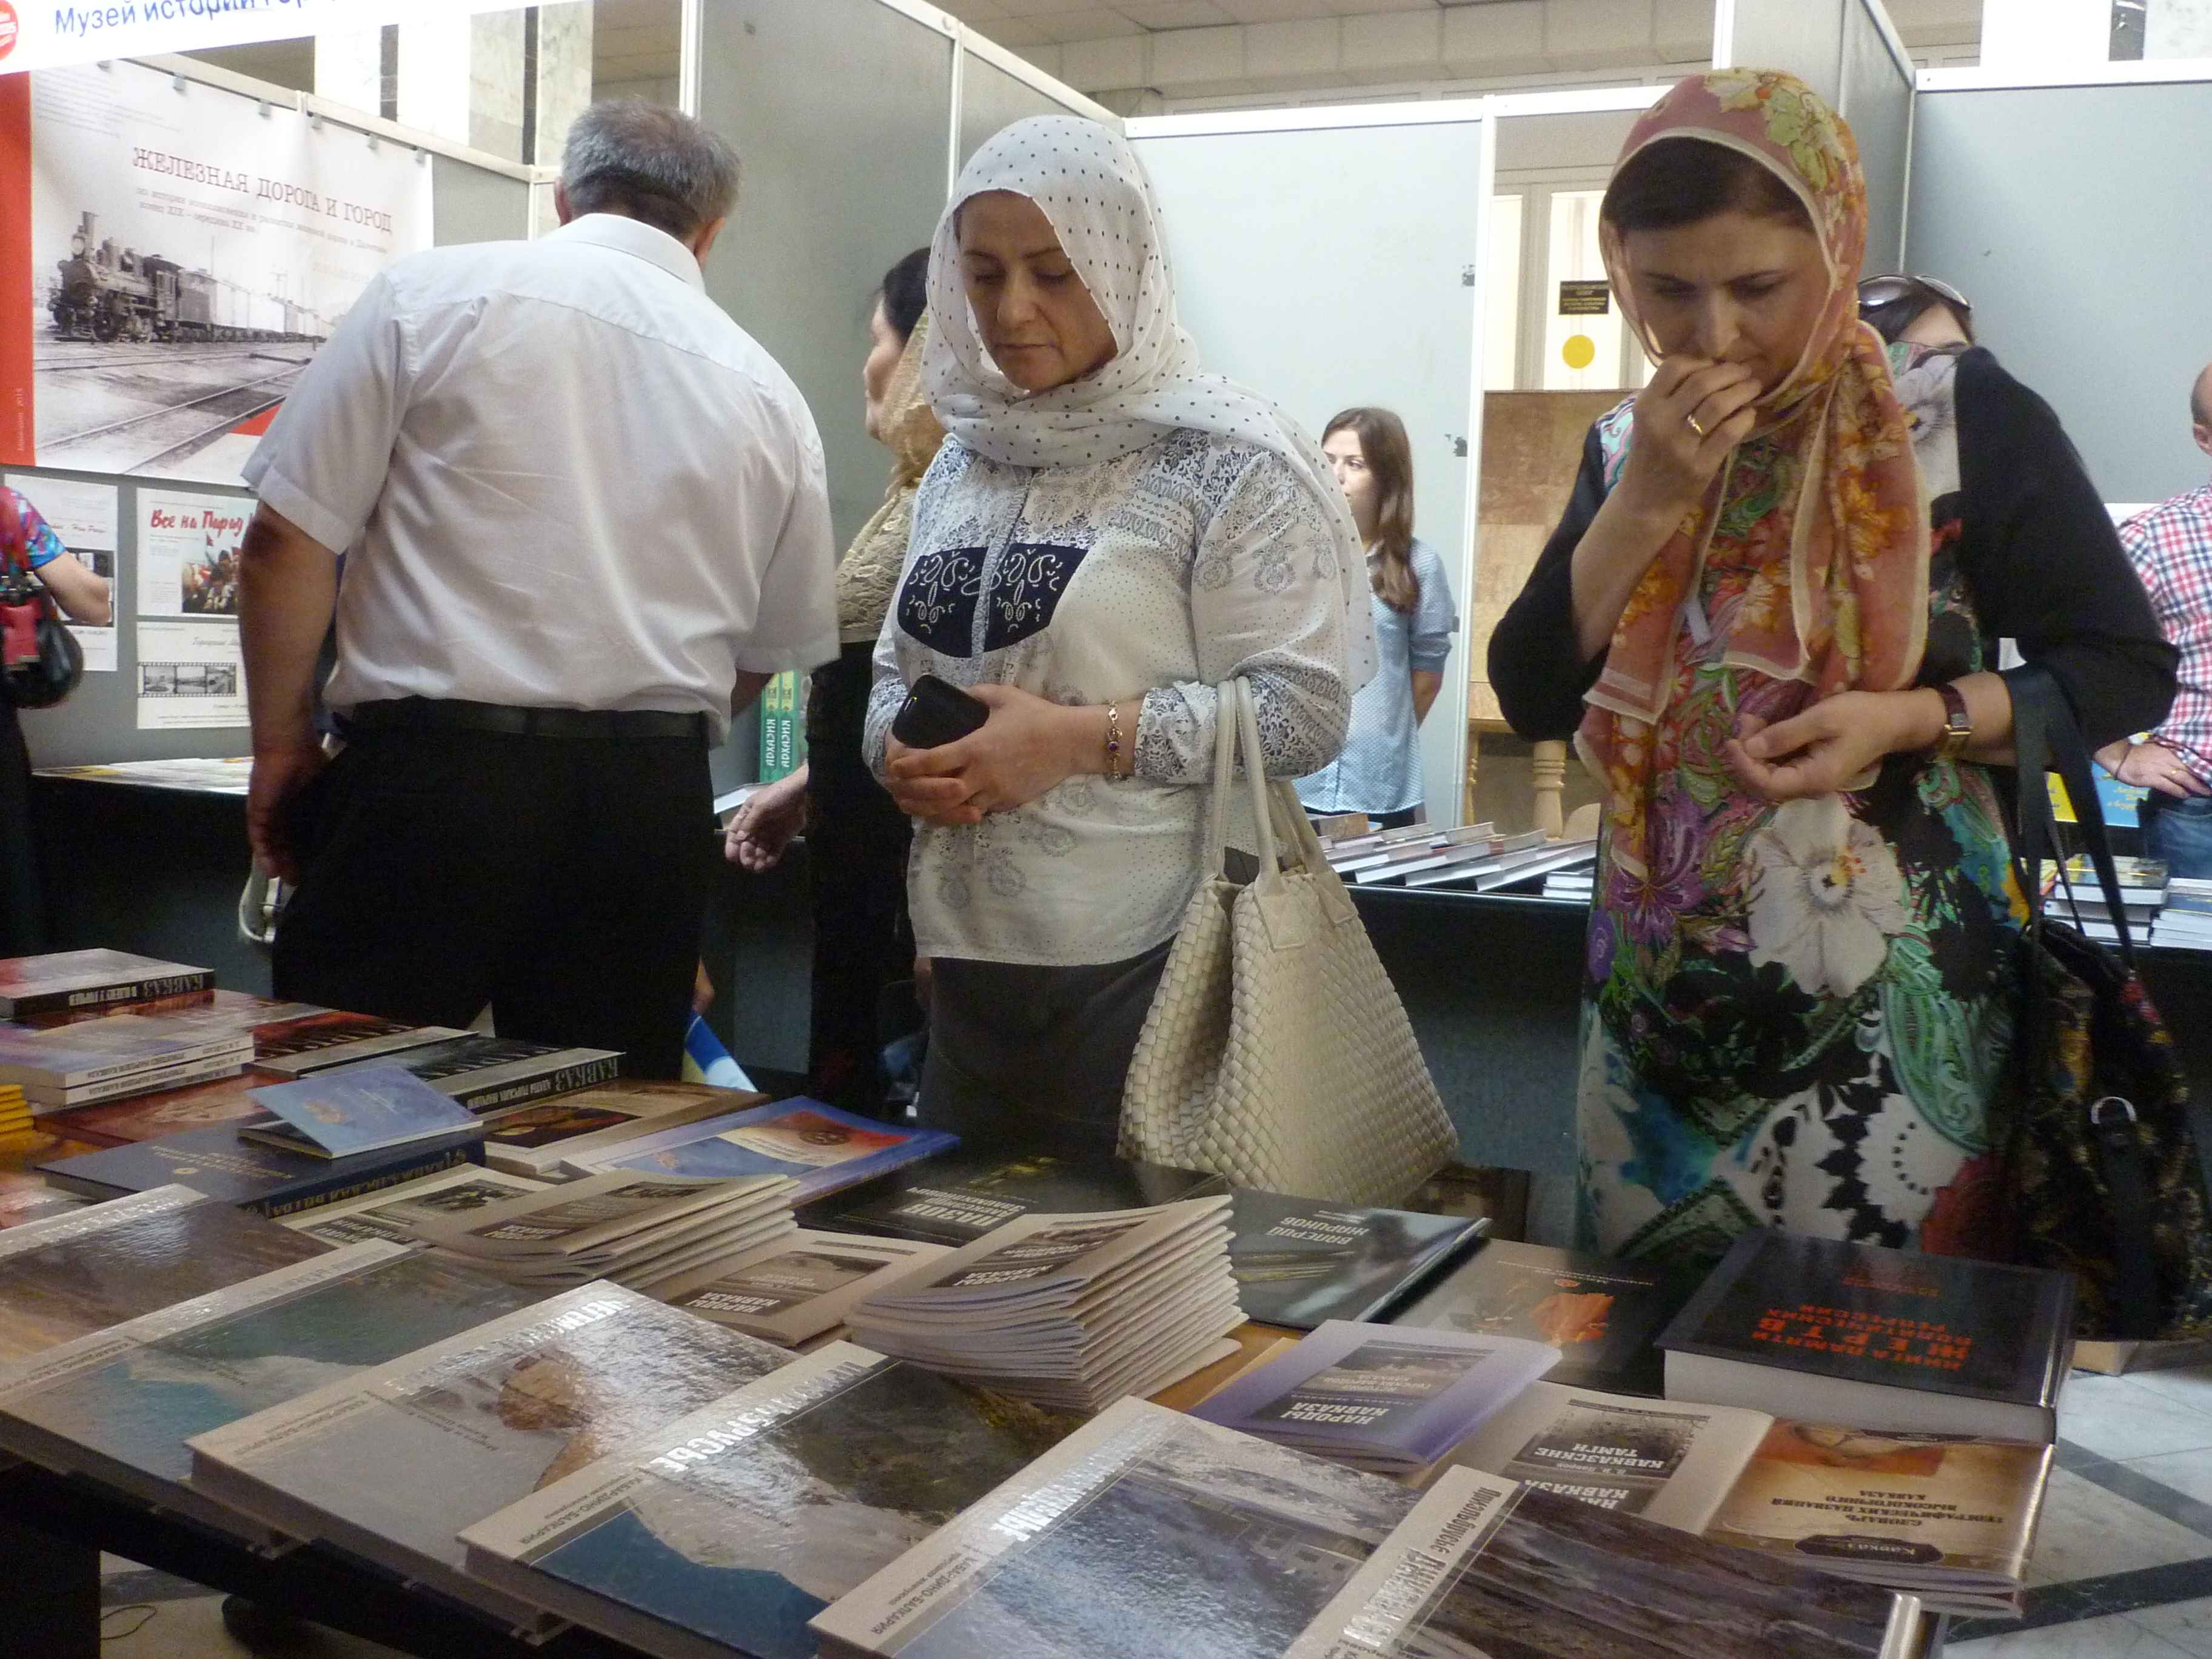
2045 738
1236 728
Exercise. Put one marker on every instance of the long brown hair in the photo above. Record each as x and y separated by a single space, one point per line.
1389 457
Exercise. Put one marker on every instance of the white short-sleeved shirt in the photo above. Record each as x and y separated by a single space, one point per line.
563 478
1152 578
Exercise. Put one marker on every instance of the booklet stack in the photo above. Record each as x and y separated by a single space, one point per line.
1149 1532
629 1227
1379 1398
66 980
394 1213
121 1054
1069 1310
800 1287
2186 921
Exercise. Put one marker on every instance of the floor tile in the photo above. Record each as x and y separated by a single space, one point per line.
2187 1624
2092 1638
2131 1422
2189 1472
2087 1532
2192 1386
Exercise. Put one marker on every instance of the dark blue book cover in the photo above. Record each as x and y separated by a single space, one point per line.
219 1162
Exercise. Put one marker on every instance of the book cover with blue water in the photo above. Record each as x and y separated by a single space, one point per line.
119 1405
363 1110
822 1148
742 1521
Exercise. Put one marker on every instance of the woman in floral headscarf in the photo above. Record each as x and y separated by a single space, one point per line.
1770 620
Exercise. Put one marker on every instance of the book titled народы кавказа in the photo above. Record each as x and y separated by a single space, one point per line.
1825 1331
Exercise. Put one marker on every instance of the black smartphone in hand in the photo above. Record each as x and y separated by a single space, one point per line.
936 712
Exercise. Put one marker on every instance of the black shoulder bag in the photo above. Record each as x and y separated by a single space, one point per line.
2100 1169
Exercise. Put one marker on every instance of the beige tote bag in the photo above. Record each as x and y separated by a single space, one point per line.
1276 1052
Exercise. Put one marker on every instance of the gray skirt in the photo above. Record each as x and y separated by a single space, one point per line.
1035 1058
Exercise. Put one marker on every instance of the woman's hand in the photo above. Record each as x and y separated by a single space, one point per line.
1670 465
1834 744
1026 747
763 828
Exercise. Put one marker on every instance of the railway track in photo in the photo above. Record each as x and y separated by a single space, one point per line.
175 431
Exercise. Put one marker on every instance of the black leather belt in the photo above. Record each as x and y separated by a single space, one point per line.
447 714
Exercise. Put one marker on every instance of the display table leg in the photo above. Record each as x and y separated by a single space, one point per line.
53 1595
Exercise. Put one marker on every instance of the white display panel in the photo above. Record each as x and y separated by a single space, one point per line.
1328 263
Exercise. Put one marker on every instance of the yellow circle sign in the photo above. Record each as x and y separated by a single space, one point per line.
1579 352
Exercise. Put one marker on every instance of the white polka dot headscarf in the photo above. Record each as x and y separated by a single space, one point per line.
1090 186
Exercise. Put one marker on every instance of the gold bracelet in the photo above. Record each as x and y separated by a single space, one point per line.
1114 744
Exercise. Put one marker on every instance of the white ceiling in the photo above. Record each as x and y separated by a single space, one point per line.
1044 23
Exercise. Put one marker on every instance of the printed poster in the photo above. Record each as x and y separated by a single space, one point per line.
189 249
190 674
188 553
84 516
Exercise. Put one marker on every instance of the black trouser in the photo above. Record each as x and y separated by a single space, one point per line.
857 842
560 876
23 904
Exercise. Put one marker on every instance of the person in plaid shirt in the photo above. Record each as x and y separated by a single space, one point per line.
2171 548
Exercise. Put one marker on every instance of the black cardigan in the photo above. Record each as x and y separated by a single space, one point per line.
2040 555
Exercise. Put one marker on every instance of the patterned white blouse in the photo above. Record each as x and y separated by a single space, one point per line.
1169 570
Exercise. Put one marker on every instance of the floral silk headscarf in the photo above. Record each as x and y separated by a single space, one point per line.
1855 527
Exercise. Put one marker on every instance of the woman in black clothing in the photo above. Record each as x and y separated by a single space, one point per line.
1769 619
857 837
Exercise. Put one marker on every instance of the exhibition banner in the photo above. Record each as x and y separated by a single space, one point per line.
37 36
189 249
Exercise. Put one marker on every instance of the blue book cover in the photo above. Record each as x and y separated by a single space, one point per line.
221 1163
121 1405
818 1146
361 1110
1379 1394
743 1521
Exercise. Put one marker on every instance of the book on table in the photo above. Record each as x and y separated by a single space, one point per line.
64 980
1379 1397
395 1212
393 1463
120 1404
370 1109
1826 1331
2141 881
66 1276
221 1163
1300 1261
819 1146
534 1139
955 1197
1601 1314
487 1073
159 1080
67 1066
289 1038
627 1226
1949 1518
163 1112
1149 1532
728 1529
794 1288
1069 1310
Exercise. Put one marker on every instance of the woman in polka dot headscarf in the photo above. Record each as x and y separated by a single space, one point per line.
1107 537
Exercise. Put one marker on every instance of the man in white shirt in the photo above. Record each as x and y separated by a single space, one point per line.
585 519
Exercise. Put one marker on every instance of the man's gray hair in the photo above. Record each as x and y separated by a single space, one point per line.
651 163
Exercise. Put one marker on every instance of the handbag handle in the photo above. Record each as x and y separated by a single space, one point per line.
1277 817
2045 738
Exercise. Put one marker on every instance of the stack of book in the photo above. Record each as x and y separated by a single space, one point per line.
120 1054
63 980
1503 872
1949 1518
15 1112
1069 1310
2185 920
955 1197
1149 1532
1349 854
800 1287
1378 1398
1576 885
2074 896
1300 1262
820 1147
395 1214
391 1463
629 1228
535 1140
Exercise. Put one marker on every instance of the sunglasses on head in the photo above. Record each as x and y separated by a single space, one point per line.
1888 290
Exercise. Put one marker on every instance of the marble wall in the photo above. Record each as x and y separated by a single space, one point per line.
564 75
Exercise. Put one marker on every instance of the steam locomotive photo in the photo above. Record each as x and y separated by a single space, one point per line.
107 293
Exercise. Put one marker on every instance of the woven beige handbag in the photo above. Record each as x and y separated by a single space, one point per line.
1277 1052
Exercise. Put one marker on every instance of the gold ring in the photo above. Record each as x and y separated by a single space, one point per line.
1691 418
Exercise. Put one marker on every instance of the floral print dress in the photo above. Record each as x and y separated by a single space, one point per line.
1798 1015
